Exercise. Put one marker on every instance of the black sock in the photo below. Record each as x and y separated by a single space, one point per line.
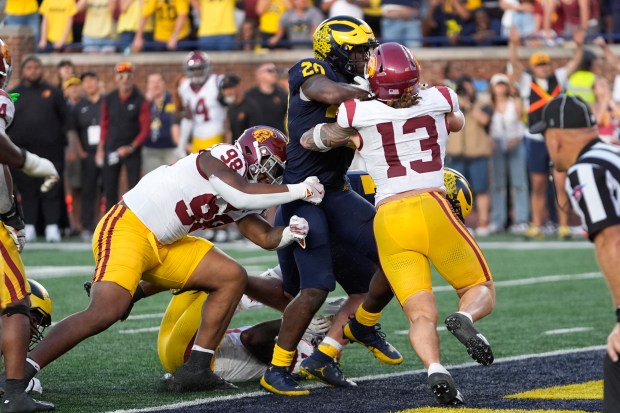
200 359
15 387
29 372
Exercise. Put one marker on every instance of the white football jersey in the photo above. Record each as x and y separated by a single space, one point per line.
404 148
234 363
7 110
174 200
207 113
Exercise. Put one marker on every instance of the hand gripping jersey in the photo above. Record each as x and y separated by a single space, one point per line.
7 110
207 113
174 200
303 114
403 148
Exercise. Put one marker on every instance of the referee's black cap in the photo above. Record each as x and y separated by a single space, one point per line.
565 112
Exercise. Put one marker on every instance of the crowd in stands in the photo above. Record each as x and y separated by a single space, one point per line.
103 26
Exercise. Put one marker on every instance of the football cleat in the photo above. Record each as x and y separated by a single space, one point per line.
279 381
23 403
445 390
564 233
187 379
476 344
321 367
373 339
534 233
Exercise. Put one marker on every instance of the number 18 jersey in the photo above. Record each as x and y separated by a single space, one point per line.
403 148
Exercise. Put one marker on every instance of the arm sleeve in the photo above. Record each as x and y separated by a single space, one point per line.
145 125
242 200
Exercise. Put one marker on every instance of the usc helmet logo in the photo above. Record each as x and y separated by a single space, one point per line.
261 135
371 66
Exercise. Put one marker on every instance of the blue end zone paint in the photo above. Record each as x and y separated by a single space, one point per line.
483 387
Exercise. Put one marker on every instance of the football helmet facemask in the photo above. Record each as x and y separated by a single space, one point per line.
40 312
335 39
264 149
197 67
458 192
392 71
5 65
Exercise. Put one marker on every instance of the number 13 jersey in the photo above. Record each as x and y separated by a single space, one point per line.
174 200
403 148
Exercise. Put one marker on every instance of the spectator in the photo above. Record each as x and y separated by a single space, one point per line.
372 16
272 100
577 14
40 124
85 118
269 13
56 24
99 28
469 151
485 33
508 161
160 148
216 33
298 25
125 122
519 14
401 22
581 82
72 90
170 27
538 85
66 70
242 112
128 22
23 13
607 112
434 23
247 36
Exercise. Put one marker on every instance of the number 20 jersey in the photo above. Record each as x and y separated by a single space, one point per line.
303 114
174 200
403 148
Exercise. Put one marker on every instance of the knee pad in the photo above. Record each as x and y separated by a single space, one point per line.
16 309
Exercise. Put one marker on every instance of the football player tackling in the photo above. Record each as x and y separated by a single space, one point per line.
401 135
145 236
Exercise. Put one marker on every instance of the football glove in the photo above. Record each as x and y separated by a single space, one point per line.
361 83
39 167
13 221
314 190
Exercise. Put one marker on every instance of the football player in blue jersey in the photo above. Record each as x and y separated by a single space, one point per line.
342 45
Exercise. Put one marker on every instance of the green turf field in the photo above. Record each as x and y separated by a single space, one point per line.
550 296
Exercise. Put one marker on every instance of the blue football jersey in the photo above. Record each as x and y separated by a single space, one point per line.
363 184
330 167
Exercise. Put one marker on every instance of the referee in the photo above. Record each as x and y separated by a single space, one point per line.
592 183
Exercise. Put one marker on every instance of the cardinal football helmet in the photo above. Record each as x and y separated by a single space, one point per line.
40 312
392 71
458 192
264 149
335 38
5 65
197 67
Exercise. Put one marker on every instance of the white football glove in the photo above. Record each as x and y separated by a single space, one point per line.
41 168
299 228
14 223
320 325
18 236
314 190
361 83
34 387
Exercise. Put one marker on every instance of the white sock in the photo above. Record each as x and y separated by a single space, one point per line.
332 342
34 364
466 315
436 368
196 347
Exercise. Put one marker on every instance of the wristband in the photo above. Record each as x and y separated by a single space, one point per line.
316 134
618 314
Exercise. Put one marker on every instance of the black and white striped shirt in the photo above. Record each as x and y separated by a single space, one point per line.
593 186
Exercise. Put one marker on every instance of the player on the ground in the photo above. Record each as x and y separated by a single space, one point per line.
15 290
224 184
317 85
401 135
204 114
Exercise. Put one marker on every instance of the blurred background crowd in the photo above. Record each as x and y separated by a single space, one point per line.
72 122
105 26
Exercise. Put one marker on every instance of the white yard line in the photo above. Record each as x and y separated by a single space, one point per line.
568 331
357 379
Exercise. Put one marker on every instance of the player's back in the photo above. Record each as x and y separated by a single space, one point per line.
207 112
303 114
403 148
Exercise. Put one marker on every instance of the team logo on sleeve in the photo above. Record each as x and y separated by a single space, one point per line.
578 192
261 135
